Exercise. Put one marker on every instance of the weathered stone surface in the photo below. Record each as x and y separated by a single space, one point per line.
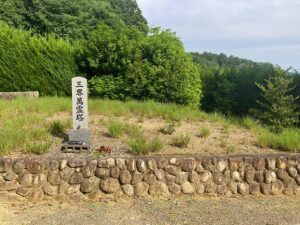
205 176
110 185
136 178
160 174
5 165
73 189
37 194
270 177
172 170
25 179
175 189
89 169
281 163
74 162
248 161
259 163
259 176
130 164
125 177
209 164
89 184
62 164
76 178
298 167
170 179
243 188
24 191
265 189
218 177
222 165
102 172
249 175
149 178
290 183
271 163
53 165
297 179
182 177
297 191
199 169
50 189
39 180
188 165
63 186
10 175
35 166
151 164
282 174
292 171
66 173
54 178
288 191
121 164
128 189
276 187
175 161
232 186
200 188
115 172
162 163
18 166
221 189
187 188
160 188
210 187
234 163
236 176
9 185
194 177
227 175
141 165
141 189
106 163
254 188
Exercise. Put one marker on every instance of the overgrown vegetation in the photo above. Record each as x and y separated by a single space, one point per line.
204 132
181 140
168 129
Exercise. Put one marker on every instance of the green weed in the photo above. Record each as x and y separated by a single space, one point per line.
115 129
203 132
181 141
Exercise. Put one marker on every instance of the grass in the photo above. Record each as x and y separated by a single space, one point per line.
168 129
140 145
115 129
26 123
181 140
203 132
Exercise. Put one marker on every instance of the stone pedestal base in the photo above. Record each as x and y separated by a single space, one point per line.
80 135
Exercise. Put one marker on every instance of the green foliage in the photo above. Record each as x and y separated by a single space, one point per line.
287 140
74 19
181 141
32 63
124 63
204 132
168 129
56 128
248 123
115 129
279 108
140 145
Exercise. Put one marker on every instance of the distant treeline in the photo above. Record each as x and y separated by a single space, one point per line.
43 44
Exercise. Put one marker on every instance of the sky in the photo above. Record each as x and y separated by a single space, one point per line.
261 30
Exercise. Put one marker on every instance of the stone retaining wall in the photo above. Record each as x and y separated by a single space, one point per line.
38 178
13 95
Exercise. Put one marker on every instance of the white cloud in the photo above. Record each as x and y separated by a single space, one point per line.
228 24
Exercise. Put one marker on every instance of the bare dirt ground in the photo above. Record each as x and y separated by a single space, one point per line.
222 140
262 210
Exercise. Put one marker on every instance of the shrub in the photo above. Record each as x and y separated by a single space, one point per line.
181 141
56 129
204 132
34 63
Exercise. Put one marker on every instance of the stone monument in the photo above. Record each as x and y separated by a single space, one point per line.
80 135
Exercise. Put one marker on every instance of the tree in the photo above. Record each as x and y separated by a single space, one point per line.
278 106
